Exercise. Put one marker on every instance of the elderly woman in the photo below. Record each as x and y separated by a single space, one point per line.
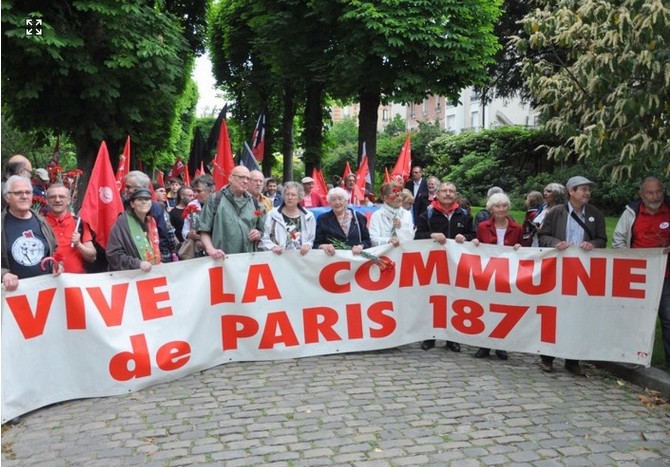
499 230
133 241
341 223
533 204
289 226
554 194
391 223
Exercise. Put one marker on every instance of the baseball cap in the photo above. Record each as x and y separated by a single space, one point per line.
42 174
141 193
578 181
307 180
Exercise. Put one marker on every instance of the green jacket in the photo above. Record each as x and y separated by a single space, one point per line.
228 220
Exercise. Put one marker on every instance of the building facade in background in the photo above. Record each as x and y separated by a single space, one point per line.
470 114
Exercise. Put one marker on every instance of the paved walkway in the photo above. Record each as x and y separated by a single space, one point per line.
396 407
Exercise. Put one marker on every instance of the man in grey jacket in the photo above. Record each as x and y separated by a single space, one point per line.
576 223
645 223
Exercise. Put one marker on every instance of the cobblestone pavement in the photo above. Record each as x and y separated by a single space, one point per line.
395 407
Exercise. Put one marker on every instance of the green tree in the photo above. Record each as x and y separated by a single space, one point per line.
606 89
100 70
402 50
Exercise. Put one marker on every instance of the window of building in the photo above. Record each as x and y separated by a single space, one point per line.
385 115
474 119
451 123
424 107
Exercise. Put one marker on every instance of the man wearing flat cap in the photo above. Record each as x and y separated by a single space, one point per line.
40 182
576 223
312 199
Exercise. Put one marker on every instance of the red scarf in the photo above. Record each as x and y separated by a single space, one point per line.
437 206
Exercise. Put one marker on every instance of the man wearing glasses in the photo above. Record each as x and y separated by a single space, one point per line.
232 220
75 243
445 219
27 239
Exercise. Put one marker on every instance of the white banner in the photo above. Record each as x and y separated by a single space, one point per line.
79 336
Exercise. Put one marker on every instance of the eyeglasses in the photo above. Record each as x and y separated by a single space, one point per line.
26 171
131 187
20 193
57 197
446 191
142 200
242 177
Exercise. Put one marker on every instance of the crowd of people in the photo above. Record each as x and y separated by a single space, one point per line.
255 213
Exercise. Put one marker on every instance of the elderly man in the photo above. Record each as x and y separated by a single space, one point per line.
75 247
231 221
445 219
27 239
645 223
574 224
256 190
136 180
311 200
40 182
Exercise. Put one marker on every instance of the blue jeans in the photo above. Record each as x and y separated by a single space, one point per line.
664 316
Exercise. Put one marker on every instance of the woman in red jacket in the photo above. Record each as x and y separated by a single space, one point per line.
499 230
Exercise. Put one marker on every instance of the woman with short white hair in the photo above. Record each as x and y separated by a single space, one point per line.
289 226
341 225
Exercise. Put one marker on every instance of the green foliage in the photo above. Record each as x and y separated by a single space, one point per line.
605 90
516 159
36 146
101 70
476 161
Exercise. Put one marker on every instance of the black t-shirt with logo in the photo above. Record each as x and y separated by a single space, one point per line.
26 246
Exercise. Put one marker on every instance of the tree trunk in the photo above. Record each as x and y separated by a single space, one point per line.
367 129
287 132
313 133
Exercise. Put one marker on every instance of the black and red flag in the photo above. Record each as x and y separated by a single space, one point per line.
258 139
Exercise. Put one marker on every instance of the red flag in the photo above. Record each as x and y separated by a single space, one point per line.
403 166
177 169
347 171
320 186
223 162
102 202
362 177
201 170
187 178
56 155
160 179
258 139
387 175
124 165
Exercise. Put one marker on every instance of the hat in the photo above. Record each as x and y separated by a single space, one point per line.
578 181
42 174
307 180
140 193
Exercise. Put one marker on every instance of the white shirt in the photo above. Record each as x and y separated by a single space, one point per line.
381 225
